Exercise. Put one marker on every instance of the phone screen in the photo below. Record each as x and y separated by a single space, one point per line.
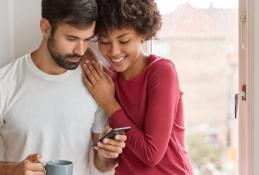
114 132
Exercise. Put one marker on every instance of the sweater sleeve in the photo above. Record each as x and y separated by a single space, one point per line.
150 144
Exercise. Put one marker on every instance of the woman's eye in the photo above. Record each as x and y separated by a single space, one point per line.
124 42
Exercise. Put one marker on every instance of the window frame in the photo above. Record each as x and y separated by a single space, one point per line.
246 77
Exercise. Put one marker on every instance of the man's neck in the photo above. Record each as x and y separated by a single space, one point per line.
42 59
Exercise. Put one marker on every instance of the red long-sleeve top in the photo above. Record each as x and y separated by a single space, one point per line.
152 105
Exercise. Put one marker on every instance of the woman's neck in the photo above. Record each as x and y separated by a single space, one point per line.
138 66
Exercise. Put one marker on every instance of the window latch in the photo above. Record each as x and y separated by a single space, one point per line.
241 95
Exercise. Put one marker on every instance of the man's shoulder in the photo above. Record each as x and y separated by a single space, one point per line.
11 69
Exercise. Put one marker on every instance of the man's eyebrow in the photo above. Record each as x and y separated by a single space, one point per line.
90 37
76 37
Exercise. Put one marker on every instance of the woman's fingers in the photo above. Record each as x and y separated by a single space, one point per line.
98 69
108 77
89 73
92 68
87 82
95 73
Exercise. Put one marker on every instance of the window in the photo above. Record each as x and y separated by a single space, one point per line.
201 38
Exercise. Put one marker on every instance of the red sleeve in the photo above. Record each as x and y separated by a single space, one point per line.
150 144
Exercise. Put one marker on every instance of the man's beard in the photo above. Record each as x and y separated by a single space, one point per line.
61 60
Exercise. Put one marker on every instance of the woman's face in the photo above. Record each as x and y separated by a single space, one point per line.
121 48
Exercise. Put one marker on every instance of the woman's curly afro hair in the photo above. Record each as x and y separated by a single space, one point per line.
141 15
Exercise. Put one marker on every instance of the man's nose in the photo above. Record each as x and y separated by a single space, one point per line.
80 48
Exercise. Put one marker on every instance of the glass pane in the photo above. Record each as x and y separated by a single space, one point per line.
201 38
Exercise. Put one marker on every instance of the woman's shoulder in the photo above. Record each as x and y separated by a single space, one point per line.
160 64
162 72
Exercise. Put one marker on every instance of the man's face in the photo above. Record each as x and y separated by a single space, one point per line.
68 44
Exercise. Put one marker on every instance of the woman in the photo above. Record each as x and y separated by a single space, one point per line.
143 93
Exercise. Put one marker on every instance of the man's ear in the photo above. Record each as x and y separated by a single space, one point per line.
45 27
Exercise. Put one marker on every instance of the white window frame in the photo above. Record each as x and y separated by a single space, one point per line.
246 77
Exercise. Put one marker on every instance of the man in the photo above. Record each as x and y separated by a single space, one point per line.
44 106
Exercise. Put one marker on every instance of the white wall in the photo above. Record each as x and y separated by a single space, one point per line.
4 42
20 33
256 91
4 34
26 18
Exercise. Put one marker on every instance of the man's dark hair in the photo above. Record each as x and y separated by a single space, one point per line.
141 15
77 13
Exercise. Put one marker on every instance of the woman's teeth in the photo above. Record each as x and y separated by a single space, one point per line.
118 60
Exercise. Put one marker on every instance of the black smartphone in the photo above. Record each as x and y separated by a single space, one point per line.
114 132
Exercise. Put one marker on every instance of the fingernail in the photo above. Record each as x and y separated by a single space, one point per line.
105 140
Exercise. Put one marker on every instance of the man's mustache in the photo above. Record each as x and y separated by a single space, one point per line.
73 56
